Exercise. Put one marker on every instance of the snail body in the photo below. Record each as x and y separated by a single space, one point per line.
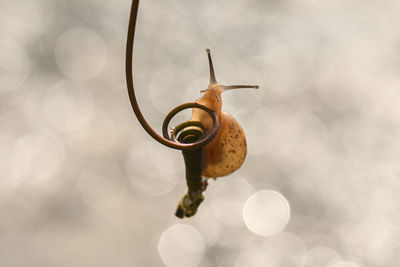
227 151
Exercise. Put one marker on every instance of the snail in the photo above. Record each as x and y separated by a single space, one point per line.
224 154
212 142
227 151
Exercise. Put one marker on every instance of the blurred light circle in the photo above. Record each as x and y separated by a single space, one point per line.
102 185
288 70
287 249
152 169
254 257
344 264
14 65
4 169
266 212
225 257
181 245
33 102
97 137
168 85
80 54
227 196
320 257
235 237
68 106
27 19
50 104
261 129
7 143
339 82
238 13
36 158
207 224
161 86
300 137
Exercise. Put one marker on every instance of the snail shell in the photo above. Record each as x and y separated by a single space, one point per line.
227 151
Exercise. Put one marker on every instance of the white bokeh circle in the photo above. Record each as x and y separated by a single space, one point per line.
152 169
181 245
320 257
36 158
344 264
99 136
68 106
80 54
287 249
288 70
266 212
15 65
102 185
254 257
227 197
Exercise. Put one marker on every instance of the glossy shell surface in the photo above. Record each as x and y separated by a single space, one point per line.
228 152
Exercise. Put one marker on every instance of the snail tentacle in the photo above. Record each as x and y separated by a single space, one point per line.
229 87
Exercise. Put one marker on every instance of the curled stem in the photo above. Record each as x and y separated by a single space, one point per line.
132 97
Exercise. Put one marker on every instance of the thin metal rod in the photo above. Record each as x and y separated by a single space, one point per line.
132 96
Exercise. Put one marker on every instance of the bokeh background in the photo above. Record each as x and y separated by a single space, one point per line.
81 184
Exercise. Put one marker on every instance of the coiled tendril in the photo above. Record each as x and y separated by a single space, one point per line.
191 140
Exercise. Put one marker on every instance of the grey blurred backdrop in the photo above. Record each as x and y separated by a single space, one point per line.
82 185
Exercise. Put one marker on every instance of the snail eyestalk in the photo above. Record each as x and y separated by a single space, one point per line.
213 81
230 87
